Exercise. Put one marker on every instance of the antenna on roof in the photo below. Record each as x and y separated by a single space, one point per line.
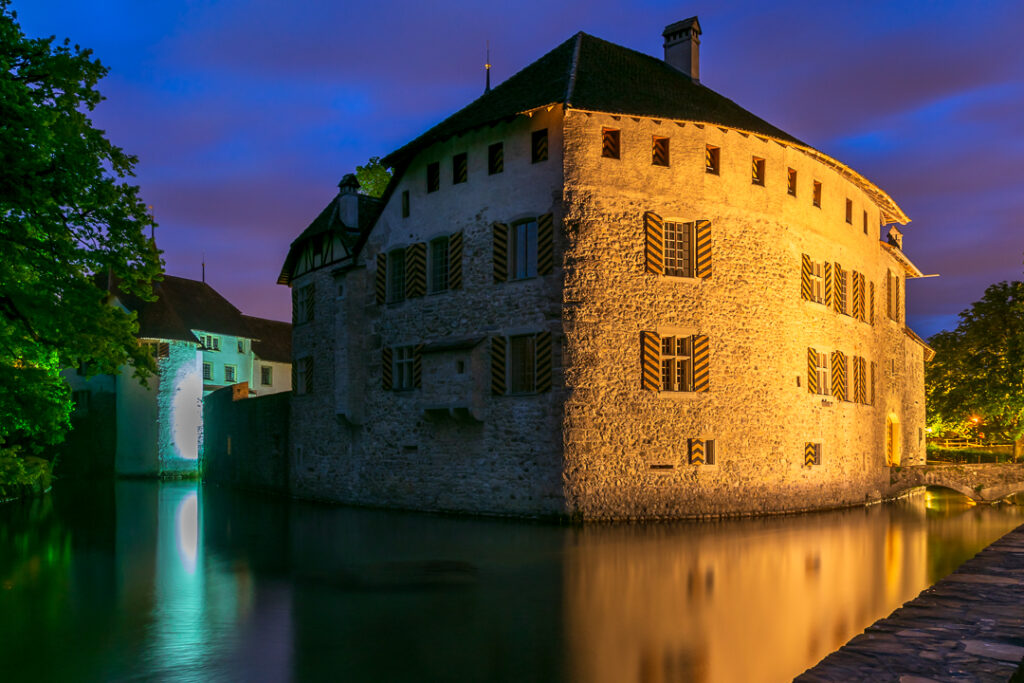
487 68
152 224
204 267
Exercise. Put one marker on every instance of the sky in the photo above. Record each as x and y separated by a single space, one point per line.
245 114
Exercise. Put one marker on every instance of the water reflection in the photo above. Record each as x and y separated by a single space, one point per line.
177 581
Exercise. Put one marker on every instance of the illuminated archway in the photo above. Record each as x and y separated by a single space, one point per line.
892 441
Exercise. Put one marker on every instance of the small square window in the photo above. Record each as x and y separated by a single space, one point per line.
791 182
229 373
610 143
539 145
405 203
208 371
849 211
659 151
266 375
757 171
865 222
459 168
496 158
816 199
712 159
433 176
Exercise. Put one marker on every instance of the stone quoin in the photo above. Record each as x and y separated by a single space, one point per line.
602 290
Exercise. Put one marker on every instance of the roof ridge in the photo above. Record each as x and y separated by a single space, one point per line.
572 68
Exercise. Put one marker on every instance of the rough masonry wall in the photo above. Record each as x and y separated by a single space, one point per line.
758 410
246 441
449 445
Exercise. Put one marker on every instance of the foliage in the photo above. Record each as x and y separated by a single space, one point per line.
967 455
66 215
22 476
373 177
978 369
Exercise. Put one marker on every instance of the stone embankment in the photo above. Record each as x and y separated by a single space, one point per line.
967 627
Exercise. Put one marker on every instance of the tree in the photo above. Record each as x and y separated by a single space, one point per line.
978 370
68 221
373 177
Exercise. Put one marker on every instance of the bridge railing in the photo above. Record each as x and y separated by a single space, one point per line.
963 451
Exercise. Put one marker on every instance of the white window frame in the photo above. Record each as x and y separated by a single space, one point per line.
402 361
208 371
818 282
824 374
680 249
522 266
677 363
230 370
437 281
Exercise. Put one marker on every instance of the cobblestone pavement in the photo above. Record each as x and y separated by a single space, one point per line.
967 627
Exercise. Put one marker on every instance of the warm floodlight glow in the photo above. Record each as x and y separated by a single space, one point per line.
186 417
188 531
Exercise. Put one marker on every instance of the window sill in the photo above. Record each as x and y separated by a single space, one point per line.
687 278
680 395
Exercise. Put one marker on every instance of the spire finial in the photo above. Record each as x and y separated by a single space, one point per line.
487 67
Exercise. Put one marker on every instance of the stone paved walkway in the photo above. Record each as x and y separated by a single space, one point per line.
967 627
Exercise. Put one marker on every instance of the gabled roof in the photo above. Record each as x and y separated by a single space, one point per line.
182 305
271 339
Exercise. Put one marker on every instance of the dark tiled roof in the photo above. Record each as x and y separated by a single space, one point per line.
183 305
327 221
272 339
588 73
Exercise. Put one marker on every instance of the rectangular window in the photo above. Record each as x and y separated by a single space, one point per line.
303 376
610 143
893 295
208 371
791 182
241 346
266 375
460 168
396 276
303 307
816 199
677 364
438 265
523 250
539 145
865 222
405 203
229 373
659 152
712 159
841 282
757 171
709 452
817 283
823 374
404 359
522 362
849 211
433 176
495 158
679 249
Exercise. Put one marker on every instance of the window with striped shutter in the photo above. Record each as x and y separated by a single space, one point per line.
500 252
498 366
455 261
840 290
654 244
812 454
701 364
839 375
415 270
696 448
309 374
650 361
829 294
380 288
871 302
545 244
385 368
703 250
543 350
812 370
873 367
806 267
417 366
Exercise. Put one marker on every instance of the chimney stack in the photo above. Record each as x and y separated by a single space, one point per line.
348 202
682 47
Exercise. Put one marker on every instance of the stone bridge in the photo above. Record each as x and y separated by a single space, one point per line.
986 483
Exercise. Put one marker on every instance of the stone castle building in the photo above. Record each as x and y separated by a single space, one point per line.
603 290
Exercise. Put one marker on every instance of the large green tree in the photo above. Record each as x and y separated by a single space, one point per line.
68 221
978 369
373 177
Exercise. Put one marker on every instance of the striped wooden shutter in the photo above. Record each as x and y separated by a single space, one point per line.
654 244
545 244
839 375
417 366
703 230
701 363
455 261
863 297
295 376
888 294
873 366
295 309
650 361
543 347
415 270
500 252
812 371
385 368
839 300
828 285
862 390
806 266
858 297
498 366
896 297
871 302
381 279
810 454
309 374
696 451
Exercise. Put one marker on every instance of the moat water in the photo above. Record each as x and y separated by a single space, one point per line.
187 582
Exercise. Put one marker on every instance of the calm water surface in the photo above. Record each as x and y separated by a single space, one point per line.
184 582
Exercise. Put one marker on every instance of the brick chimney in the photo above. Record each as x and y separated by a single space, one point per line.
348 202
682 47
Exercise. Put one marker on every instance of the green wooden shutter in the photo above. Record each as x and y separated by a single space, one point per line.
455 261
654 244
381 279
812 371
498 366
806 267
543 346
545 244
839 375
703 231
417 366
701 363
696 451
385 367
415 270
650 361
500 252
828 285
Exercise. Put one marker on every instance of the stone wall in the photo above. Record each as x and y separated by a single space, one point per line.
246 441
758 409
